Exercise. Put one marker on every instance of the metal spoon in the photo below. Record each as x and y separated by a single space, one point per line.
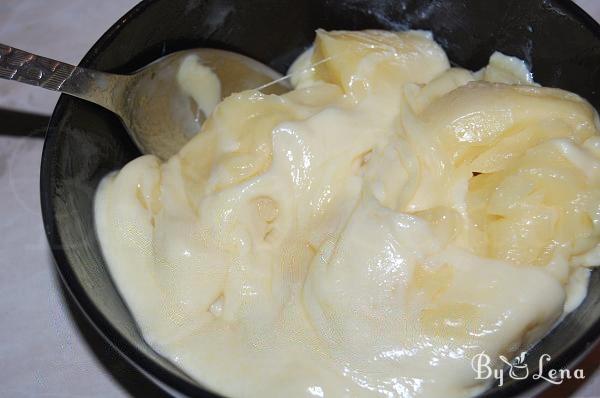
158 114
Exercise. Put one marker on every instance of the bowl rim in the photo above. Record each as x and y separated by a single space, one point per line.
163 377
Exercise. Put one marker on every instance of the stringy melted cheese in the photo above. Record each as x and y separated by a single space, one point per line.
366 233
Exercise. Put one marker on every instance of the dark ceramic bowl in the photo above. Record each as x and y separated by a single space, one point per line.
84 142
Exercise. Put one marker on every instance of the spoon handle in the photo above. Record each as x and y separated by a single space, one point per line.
104 89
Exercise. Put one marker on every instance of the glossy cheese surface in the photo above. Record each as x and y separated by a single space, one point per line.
365 234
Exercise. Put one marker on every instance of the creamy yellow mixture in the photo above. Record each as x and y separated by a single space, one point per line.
365 234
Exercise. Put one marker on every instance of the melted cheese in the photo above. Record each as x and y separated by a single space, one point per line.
365 234
200 83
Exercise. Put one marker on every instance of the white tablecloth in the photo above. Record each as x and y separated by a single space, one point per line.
46 348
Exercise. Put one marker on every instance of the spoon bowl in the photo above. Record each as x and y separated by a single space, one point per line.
163 109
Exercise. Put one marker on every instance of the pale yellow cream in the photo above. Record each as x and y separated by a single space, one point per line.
365 234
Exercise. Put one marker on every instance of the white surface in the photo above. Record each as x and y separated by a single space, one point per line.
43 351
46 348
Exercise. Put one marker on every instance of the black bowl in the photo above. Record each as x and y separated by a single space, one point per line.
84 142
